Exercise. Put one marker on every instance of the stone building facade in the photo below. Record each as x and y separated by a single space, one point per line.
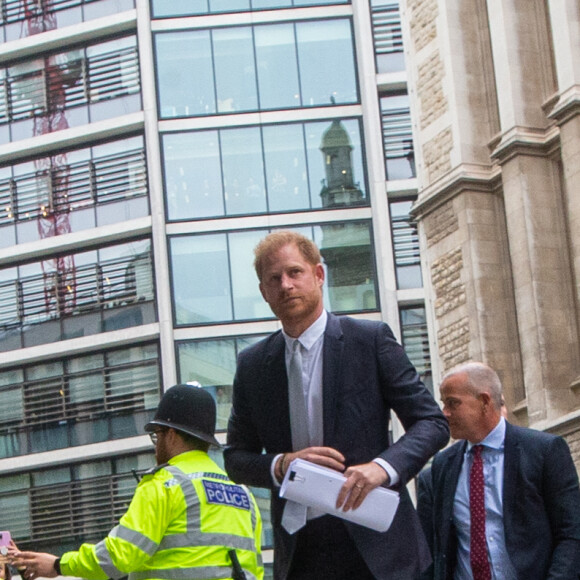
495 91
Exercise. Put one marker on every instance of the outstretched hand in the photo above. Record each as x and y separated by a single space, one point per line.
32 565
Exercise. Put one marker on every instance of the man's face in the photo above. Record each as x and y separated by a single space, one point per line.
292 286
161 451
464 410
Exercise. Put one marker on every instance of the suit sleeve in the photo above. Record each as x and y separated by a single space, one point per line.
243 457
425 511
562 499
426 429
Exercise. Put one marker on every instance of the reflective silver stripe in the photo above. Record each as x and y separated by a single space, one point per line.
197 538
105 561
200 573
137 539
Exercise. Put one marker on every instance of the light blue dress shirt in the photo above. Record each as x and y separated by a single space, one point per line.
493 461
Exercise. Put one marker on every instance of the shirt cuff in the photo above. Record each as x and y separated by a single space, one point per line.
273 470
391 472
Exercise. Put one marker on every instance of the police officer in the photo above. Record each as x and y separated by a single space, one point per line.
186 521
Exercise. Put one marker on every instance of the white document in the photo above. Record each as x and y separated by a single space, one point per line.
317 487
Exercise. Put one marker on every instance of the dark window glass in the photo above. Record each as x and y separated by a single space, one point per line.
54 509
406 246
78 400
256 170
387 35
416 341
304 64
213 278
397 137
73 191
39 16
70 88
108 289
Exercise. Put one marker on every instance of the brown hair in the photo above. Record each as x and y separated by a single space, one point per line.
277 240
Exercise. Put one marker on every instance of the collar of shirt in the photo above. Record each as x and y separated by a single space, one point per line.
494 439
310 335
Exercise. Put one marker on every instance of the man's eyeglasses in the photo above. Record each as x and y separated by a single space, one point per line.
155 435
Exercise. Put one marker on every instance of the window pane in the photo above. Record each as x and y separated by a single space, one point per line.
397 137
200 275
243 171
193 181
228 5
335 163
248 302
326 62
406 246
261 4
11 406
286 167
184 74
235 75
415 341
388 38
350 266
163 8
213 364
276 52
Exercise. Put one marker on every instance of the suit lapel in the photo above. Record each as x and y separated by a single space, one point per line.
275 389
332 359
511 467
450 476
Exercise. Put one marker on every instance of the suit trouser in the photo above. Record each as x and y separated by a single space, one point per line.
325 551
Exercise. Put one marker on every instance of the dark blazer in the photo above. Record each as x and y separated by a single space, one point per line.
541 506
365 374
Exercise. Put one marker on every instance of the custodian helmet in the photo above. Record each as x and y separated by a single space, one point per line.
187 408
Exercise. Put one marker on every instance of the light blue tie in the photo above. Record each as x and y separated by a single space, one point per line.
294 516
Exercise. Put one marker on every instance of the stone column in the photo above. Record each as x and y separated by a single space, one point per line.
460 209
565 19
535 213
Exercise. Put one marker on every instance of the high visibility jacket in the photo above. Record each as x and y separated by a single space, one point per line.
184 517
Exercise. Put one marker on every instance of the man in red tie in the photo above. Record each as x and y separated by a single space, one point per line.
503 503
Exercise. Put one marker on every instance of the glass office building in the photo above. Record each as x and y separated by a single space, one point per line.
146 146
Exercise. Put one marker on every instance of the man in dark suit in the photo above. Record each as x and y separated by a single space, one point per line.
531 496
353 373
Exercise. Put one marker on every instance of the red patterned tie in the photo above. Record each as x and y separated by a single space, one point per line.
478 552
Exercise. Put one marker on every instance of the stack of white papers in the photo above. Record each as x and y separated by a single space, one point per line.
318 487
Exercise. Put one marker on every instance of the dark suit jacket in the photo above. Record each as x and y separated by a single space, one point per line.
365 374
541 506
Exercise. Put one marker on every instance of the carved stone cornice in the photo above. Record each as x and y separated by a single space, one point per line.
524 141
464 177
567 106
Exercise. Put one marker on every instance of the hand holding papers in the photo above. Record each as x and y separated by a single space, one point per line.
318 487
